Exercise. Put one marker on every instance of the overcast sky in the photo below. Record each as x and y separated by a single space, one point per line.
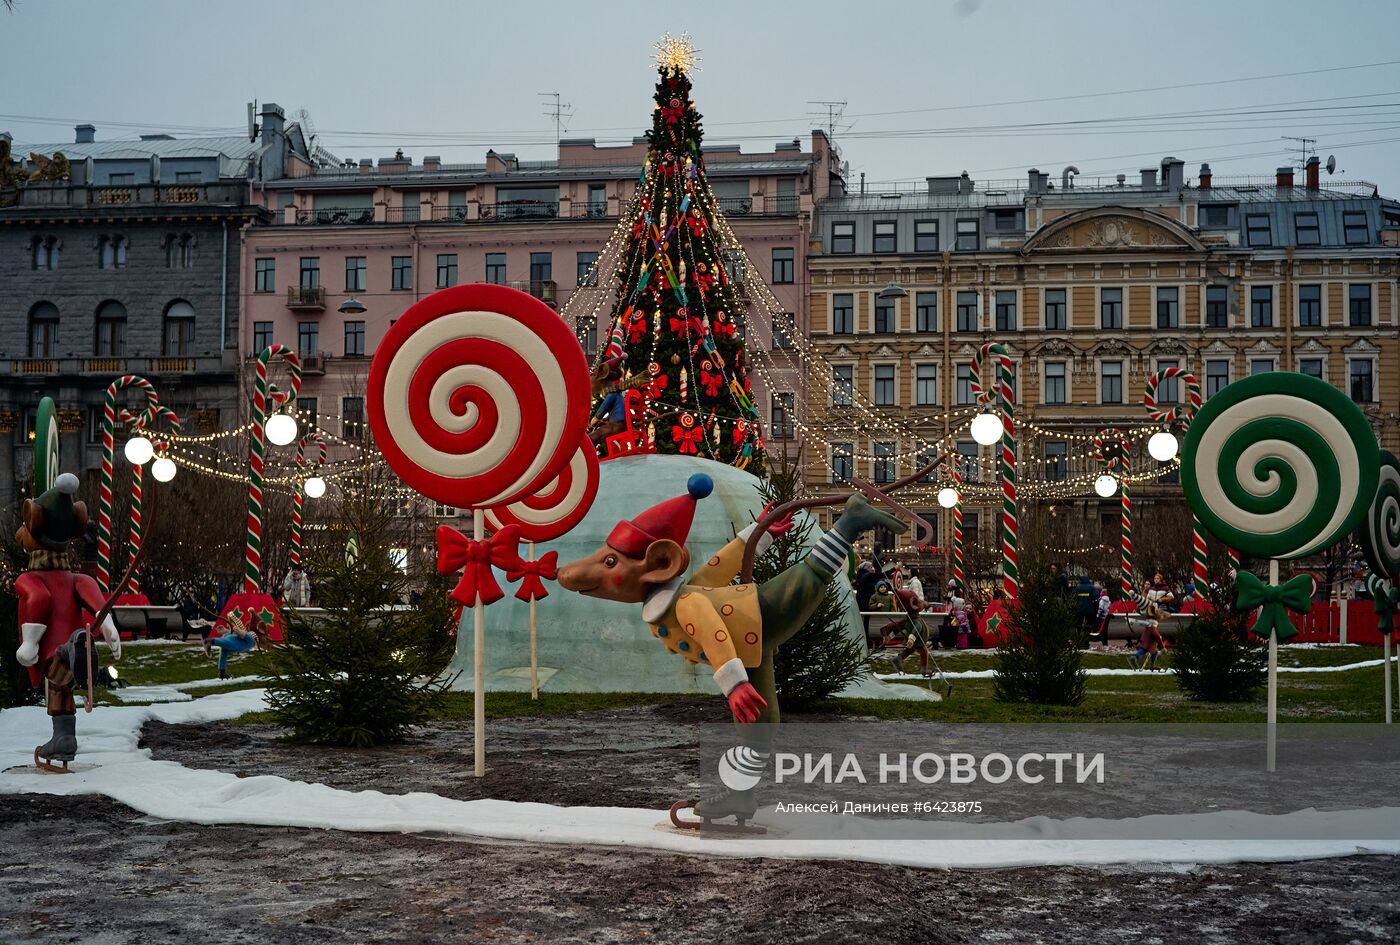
922 80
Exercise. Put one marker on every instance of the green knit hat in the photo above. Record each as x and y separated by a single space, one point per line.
60 521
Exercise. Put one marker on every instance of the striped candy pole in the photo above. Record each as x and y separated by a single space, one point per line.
133 585
958 575
1111 453
1127 541
265 395
1181 414
1006 398
297 500
110 417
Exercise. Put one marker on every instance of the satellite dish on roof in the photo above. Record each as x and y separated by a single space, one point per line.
1331 163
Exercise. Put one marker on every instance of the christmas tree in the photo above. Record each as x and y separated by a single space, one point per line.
678 315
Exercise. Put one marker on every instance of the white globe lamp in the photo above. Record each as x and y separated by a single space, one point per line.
947 497
1162 446
986 428
315 487
1105 485
281 429
163 469
138 450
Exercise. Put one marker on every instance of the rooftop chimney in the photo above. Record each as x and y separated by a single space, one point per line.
431 163
966 184
1283 177
1205 177
366 165
1149 178
1035 184
84 134
1310 171
1173 174
274 121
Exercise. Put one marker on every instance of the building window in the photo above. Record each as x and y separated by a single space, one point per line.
1167 389
884 385
446 270
496 268
972 527
840 462
1261 306
308 339
843 382
967 235
967 311
884 462
587 329
1260 365
1312 367
1217 306
1215 214
843 314
783 266
311 272
586 268
734 267
1310 306
44 252
1055 306
179 251
1056 460
1111 382
111 330
111 253
262 336
541 267
925 236
964 385
843 237
923 461
308 410
1006 310
1168 313
1005 221
1306 230
412 204
352 417
402 272
1362 390
1217 377
178 331
264 275
926 385
597 200
883 237
355 339
782 424
1054 382
1355 229
969 467
782 338
1257 230
354 273
43 330
1111 309
1359 304
926 311
884 316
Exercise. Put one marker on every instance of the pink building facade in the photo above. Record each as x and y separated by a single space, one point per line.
390 233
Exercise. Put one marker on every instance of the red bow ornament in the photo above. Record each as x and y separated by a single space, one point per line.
658 384
687 438
636 330
534 574
692 324
711 382
476 559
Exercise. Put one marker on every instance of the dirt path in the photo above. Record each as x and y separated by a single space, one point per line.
108 876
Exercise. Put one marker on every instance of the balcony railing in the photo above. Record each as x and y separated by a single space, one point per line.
519 210
104 365
171 366
63 195
545 290
34 366
306 298
458 214
337 216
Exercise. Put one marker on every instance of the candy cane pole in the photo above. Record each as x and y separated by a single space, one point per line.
1182 415
300 496
133 586
1127 532
1006 398
110 417
264 395
958 576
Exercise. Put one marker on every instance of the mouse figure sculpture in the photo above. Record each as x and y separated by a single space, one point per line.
52 601
734 629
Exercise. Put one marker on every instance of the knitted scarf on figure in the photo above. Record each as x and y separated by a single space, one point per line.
44 560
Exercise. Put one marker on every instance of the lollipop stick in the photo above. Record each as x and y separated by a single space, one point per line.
479 659
1386 636
1273 676
534 646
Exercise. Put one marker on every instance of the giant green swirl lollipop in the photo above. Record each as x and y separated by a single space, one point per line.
1379 531
1280 465
45 446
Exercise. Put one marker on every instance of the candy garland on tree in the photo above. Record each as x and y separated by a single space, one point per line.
110 418
133 584
1281 466
265 395
1006 399
298 497
1180 415
1111 453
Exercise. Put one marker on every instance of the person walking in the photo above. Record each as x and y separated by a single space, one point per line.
1149 639
1086 603
1102 616
296 588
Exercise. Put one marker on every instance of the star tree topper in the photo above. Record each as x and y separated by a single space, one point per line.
677 54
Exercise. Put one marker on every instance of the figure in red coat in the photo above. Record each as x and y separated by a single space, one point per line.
55 606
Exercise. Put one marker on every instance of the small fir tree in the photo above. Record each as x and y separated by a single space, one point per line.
1039 660
14 678
821 659
1215 658
363 675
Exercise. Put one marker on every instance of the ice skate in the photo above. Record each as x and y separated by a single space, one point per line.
740 805
62 747
859 517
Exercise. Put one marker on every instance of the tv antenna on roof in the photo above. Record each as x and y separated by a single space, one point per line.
1307 145
833 116
559 111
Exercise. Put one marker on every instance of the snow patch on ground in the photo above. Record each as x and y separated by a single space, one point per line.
174 692
122 771
1110 671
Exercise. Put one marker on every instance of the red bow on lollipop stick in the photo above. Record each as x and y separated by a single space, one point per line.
475 558
534 573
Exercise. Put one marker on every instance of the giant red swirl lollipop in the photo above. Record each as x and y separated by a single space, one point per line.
478 396
559 505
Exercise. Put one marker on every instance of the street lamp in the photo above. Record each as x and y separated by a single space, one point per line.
986 428
138 450
281 429
1162 446
163 469
315 487
351 306
947 497
1105 485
